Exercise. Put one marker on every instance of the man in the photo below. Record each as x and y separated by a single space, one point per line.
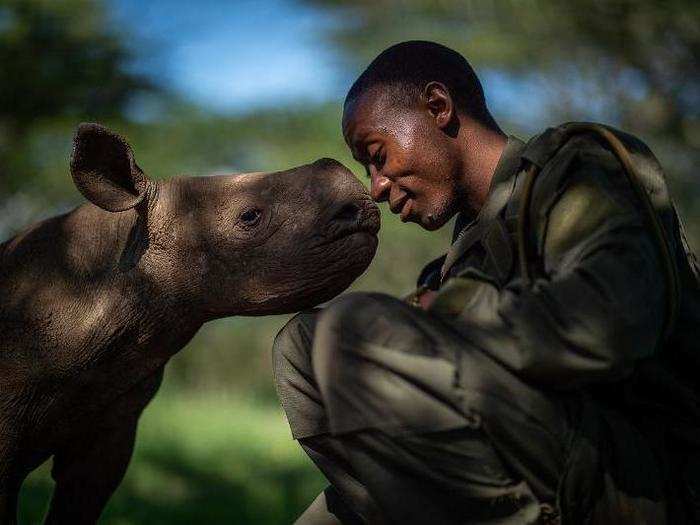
550 374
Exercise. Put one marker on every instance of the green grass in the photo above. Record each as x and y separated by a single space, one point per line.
211 459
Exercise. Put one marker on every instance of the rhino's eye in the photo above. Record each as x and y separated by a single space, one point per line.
250 217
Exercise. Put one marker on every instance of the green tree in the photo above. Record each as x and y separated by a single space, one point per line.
59 60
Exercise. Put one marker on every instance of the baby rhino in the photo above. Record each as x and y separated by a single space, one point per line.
93 303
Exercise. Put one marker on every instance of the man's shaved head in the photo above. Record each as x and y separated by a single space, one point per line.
406 68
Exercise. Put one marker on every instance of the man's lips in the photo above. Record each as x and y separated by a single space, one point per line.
406 210
401 206
397 205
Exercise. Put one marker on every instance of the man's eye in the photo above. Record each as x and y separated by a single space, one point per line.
374 160
377 160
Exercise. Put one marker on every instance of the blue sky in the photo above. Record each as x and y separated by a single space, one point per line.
235 55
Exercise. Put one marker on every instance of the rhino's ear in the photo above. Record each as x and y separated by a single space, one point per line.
104 169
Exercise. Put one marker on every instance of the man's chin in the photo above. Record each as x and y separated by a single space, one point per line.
429 226
431 222
427 221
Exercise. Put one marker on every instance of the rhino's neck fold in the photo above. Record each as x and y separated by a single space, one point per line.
84 285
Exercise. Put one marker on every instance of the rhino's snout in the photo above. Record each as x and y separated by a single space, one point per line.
348 213
355 215
352 210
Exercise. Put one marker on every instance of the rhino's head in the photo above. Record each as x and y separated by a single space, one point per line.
251 244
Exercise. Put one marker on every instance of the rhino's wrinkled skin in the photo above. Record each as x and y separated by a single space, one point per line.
93 303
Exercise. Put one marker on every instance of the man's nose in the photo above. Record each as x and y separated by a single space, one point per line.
380 188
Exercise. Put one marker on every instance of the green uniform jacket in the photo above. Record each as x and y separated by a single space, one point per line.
594 317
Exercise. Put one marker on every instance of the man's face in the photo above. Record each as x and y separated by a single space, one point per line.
411 162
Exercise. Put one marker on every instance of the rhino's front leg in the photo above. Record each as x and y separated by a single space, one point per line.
88 472
13 467
90 468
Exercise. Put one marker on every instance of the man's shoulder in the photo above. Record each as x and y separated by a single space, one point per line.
580 137
593 176
590 154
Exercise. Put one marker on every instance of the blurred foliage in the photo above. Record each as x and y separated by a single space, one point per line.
60 59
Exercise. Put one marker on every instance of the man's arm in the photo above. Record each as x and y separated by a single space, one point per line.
599 306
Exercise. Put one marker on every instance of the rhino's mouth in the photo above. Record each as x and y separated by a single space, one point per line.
367 223
369 230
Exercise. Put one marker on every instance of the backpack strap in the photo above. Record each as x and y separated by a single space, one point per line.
541 150
430 274
693 266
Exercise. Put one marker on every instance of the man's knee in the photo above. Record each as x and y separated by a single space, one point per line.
345 330
376 365
360 320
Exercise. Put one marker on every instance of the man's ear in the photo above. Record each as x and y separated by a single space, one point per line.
439 103
104 169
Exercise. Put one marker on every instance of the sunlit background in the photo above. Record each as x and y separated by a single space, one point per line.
223 86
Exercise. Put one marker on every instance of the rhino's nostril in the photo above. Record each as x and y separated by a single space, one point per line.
349 212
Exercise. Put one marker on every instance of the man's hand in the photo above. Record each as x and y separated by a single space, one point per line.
425 300
422 298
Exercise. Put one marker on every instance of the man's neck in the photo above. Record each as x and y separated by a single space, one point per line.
482 149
